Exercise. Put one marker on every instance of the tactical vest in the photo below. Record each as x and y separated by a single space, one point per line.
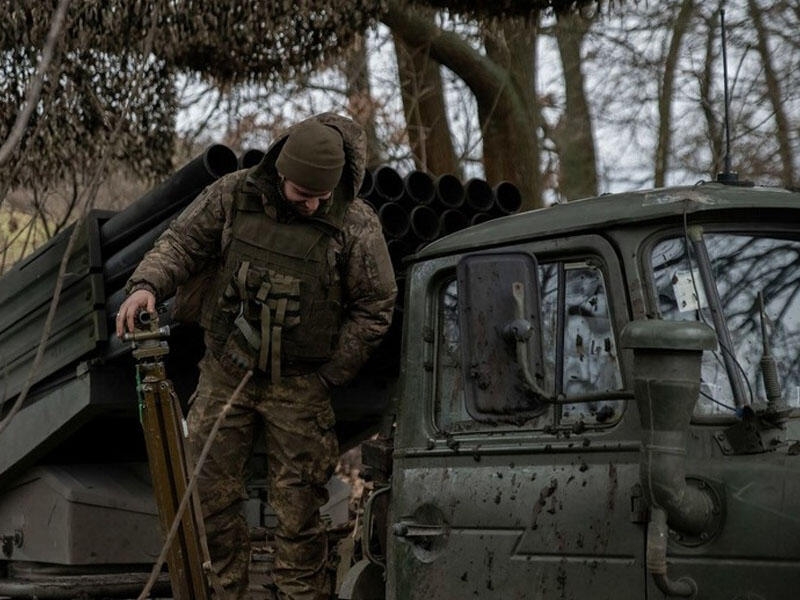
277 301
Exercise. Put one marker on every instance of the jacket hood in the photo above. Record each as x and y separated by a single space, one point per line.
355 150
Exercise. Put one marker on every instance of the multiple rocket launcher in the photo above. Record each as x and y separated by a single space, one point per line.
414 210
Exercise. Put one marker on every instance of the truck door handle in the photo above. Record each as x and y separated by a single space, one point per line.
409 529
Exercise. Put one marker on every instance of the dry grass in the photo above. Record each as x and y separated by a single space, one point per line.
20 234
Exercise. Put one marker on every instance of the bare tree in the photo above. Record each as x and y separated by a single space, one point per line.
424 104
506 104
574 132
510 115
666 91
774 95
360 102
640 75
655 87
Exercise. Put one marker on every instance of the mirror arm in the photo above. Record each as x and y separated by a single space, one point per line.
519 331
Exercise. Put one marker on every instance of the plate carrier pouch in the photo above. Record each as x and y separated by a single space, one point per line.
278 298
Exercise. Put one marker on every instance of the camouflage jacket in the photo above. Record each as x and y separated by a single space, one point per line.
200 237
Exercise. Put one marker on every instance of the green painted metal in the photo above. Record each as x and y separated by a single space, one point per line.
545 510
605 212
79 325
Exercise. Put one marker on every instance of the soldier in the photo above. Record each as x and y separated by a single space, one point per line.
301 291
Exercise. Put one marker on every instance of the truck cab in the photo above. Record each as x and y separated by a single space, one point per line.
599 400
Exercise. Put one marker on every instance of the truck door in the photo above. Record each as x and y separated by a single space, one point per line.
503 495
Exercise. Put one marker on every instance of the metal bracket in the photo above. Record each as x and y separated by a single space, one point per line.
751 435
11 541
367 529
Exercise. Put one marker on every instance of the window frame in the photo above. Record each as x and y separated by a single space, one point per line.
590 248
717 227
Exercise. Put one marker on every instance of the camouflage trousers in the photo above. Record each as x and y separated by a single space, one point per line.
302 452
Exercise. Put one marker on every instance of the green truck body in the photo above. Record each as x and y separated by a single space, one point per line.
595 400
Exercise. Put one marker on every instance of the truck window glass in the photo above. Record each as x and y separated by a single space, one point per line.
743 266
589 361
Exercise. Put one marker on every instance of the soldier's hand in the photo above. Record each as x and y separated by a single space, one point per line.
138 300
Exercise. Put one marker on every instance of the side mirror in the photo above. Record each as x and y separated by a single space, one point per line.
501 341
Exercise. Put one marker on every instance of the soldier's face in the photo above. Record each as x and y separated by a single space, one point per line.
303 200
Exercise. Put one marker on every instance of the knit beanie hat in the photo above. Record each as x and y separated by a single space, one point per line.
312 156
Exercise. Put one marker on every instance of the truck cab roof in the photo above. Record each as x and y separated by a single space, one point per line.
608 210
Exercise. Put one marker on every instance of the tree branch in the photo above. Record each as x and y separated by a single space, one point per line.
35 89
481 75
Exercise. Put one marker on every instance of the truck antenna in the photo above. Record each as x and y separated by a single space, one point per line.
727 176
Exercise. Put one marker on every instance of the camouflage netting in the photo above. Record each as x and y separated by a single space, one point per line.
86 112
102 99
506 8
257 40
89 92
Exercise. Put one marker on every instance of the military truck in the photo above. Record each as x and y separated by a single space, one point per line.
598 400
593 400
77 511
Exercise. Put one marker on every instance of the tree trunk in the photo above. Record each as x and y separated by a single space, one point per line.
710 111
511 44
360 103
782 127
500 102
574 136
422 92
665 97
